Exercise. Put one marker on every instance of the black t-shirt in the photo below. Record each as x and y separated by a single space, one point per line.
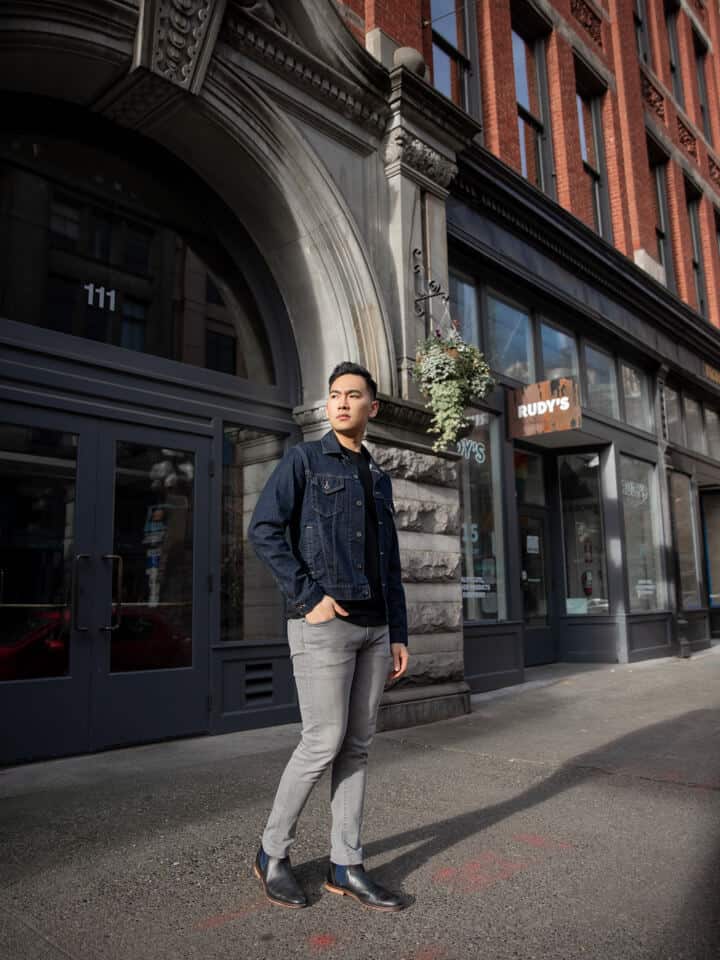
370 612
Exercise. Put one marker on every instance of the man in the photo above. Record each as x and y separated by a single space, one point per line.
340 572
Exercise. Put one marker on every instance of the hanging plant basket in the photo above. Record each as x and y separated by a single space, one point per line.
450 374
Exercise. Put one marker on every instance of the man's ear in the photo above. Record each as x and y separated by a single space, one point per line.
374 407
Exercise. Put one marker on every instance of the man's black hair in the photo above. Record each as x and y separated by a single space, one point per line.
348 367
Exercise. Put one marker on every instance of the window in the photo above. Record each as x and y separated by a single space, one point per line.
589 101
636 396
220 352
583 537
559 353
658 171
694 425
700 55
711 537
529 481
483 562
510 346
692 198
642 36
685 539
673 417
463 307
132 328
531 98
642 555
137 249
601 382
671 15
450 62
64 224
712 429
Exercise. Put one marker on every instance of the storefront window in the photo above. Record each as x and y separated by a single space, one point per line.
712 429
636 392
251 606
711 538
483 560
601 382
673 417
559 353
641 535
584 540
694 425
510 341
529 483
683 517
123 257
463 307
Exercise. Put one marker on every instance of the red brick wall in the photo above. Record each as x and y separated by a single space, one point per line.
605 30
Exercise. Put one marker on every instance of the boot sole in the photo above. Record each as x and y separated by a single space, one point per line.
369 906
279 903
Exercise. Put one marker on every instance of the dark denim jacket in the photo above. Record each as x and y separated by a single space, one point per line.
316 493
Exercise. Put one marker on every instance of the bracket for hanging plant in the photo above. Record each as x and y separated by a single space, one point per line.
425 289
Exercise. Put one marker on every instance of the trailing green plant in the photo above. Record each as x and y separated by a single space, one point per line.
450 374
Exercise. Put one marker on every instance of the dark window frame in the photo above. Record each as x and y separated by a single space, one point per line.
533 30
590 90
659 161
671 15
700 49
459 58
642 32
693 198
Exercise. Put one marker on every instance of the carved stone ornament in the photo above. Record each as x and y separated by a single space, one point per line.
404 148
264 10
652 96
585 15
714 171
687 140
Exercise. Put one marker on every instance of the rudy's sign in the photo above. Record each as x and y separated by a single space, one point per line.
545 407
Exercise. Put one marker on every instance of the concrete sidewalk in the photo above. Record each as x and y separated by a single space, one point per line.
577 816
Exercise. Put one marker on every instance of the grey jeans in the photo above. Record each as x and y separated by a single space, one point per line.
340 671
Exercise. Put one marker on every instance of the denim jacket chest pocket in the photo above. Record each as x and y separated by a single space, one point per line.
328 494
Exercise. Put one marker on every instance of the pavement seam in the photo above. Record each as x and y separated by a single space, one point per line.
38 933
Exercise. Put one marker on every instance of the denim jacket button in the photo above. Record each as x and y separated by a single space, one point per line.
358 503
358 533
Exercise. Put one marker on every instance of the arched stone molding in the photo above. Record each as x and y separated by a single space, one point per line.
233 136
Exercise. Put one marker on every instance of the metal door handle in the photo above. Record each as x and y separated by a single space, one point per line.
76 593
118 584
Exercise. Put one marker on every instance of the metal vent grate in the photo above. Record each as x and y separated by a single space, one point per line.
259 682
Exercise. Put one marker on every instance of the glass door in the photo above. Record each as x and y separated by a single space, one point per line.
540 644
47 516
151 656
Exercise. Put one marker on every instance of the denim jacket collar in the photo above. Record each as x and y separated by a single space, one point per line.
330 444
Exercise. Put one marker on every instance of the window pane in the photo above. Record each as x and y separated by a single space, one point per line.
442 71
132 330
559 353
587 132
641 538
712 429
673 416
601 382
447 20
529 482
637 398
530 152
463 307
694 425
520 66
221 352
510 341
252 609
683 517
483 564
711 531
584 541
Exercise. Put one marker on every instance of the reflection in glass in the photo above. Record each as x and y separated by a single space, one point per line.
711 535
712 429
694 425
529 482
97 247
153 579
252 607
37 537
559 353
583 535
483 563
601 383
673 417
532 569
463 307
510 340
442 71
636 392
642 560
683 519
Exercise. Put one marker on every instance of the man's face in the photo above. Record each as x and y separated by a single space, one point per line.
350 404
